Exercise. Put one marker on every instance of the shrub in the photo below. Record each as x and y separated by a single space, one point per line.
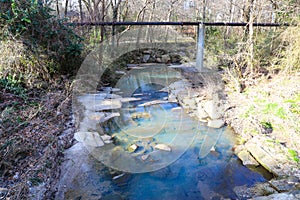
44 41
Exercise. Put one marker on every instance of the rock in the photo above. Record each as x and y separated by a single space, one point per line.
147 52
283 185
163 147
189 102
89 138
107 104
214 109
176 109
280 196
145 157
106 139
129 99
139 115
132 148
165 58
247 159
116 153
218 123
109 116
158 60
150 103
172 98
3 193
246 192
120 72
206 191
175 58
146 58
96 116
113 96
201 114
118 176
268 156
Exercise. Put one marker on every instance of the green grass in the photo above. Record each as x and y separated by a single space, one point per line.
294 155
266 125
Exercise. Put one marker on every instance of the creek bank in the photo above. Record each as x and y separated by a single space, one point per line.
264 116
202 97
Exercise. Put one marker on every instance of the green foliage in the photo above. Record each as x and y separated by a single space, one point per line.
288 55
273 108
294 155
42 33
294 104
13 85
266 125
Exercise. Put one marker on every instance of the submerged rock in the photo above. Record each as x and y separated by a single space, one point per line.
163 147
132 148
145 157
139 115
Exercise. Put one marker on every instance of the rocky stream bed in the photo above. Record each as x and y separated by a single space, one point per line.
193 98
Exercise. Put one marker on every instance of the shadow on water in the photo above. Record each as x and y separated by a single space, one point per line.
185 176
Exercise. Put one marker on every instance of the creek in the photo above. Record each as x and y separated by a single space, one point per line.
157 151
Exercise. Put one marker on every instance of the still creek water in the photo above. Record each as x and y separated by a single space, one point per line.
201 164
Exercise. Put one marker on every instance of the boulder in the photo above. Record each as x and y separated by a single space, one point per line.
214 109
201 114
284 185
165 58
267 156
146 58
189 102
217 123
246 192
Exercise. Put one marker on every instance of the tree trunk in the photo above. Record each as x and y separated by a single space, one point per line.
80 11
66 7
148 35
57 9
102 19
250 37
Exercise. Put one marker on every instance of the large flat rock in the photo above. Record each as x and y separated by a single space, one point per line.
271 157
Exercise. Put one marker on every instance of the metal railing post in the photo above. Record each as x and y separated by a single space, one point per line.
200 47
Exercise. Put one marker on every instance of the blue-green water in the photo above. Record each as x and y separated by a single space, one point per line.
201 164
188 177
